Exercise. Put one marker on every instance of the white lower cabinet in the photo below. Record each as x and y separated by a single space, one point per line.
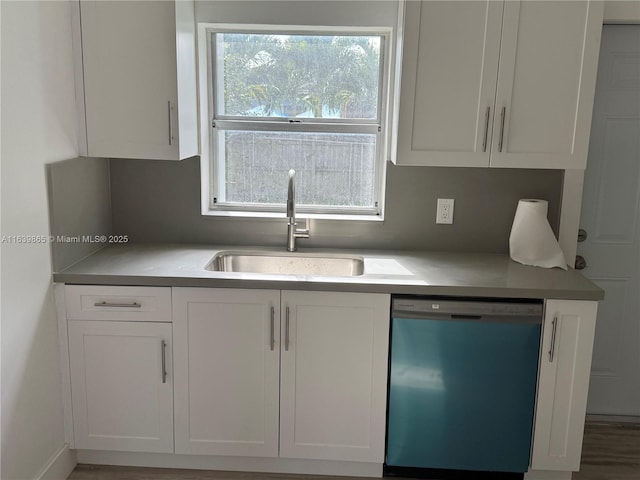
290 374
333 377
122 392
227 371
565 364
270 373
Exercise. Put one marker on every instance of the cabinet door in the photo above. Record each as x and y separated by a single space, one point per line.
334 358
450 60
546 83
131 80
565 364
226 371
121 397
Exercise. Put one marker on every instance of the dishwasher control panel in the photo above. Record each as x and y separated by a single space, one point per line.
426 306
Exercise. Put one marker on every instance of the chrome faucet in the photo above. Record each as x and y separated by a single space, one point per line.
292 231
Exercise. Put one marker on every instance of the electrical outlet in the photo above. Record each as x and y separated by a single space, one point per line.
445 211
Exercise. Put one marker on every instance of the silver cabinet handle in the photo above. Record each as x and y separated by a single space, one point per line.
554 328
170 124
117 305
502 115
163 351
272 339
486 129
286 330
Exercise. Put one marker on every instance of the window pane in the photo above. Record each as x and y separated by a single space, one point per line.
304 76
332 169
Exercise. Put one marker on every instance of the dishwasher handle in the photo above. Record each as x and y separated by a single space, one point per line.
460 316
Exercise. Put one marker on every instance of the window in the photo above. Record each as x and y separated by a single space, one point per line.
281 98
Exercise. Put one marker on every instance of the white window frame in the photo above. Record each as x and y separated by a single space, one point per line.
211 183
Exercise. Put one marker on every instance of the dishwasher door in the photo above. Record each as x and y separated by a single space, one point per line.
462 384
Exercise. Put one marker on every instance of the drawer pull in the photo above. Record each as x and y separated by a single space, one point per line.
272 340
486 129
554 329
170 124
117 305
163 351
286 330
502 115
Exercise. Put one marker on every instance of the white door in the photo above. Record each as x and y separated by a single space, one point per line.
334 352
611 217
226 359
450 59
546 80
130 78
122 399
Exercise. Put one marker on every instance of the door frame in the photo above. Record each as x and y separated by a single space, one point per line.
615 12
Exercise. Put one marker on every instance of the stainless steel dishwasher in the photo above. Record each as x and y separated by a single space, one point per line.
462 385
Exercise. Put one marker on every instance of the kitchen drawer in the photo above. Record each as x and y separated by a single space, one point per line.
98 302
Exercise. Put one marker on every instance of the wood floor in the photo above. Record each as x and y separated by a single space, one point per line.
610 452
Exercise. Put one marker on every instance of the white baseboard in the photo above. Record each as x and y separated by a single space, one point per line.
60 466
243 464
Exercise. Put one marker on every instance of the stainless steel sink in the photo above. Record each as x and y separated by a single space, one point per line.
287 263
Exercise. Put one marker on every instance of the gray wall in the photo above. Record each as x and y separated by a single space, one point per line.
156 201
79 205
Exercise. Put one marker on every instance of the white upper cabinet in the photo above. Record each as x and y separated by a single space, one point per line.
138 75
449 63
500 84
546 83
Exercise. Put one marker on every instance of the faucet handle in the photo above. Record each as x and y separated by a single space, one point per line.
303 232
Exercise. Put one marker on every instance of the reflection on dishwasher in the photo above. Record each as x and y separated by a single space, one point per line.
407 376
